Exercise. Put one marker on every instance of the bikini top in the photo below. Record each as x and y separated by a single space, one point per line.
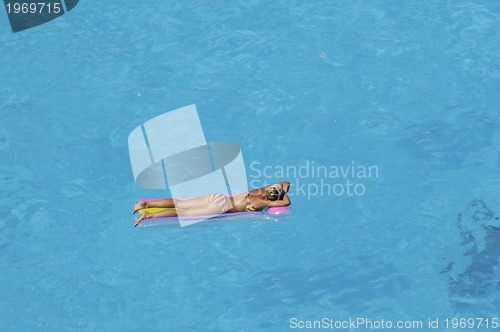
248 203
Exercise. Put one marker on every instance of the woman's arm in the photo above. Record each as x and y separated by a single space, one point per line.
285 185
279 202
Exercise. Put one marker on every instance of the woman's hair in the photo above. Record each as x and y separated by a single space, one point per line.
273 192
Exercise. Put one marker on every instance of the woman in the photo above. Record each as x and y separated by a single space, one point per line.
255 200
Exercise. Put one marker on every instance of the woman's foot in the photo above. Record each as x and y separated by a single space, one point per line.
142 204
145 215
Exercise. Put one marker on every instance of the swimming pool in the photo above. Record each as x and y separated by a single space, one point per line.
410 90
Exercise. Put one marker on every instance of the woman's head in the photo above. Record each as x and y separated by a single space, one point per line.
273 192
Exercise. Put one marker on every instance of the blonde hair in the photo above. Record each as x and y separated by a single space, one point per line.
273 192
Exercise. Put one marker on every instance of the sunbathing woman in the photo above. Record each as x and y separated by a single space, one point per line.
255 200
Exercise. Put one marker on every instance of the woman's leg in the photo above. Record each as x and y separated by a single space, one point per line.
139 205
191 203
199 206
207 205
207 209
184 204
159 203
170 203
159 214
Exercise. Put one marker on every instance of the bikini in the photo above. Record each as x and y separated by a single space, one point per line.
248 204
221 201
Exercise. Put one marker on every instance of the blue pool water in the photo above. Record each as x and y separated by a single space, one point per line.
411 89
